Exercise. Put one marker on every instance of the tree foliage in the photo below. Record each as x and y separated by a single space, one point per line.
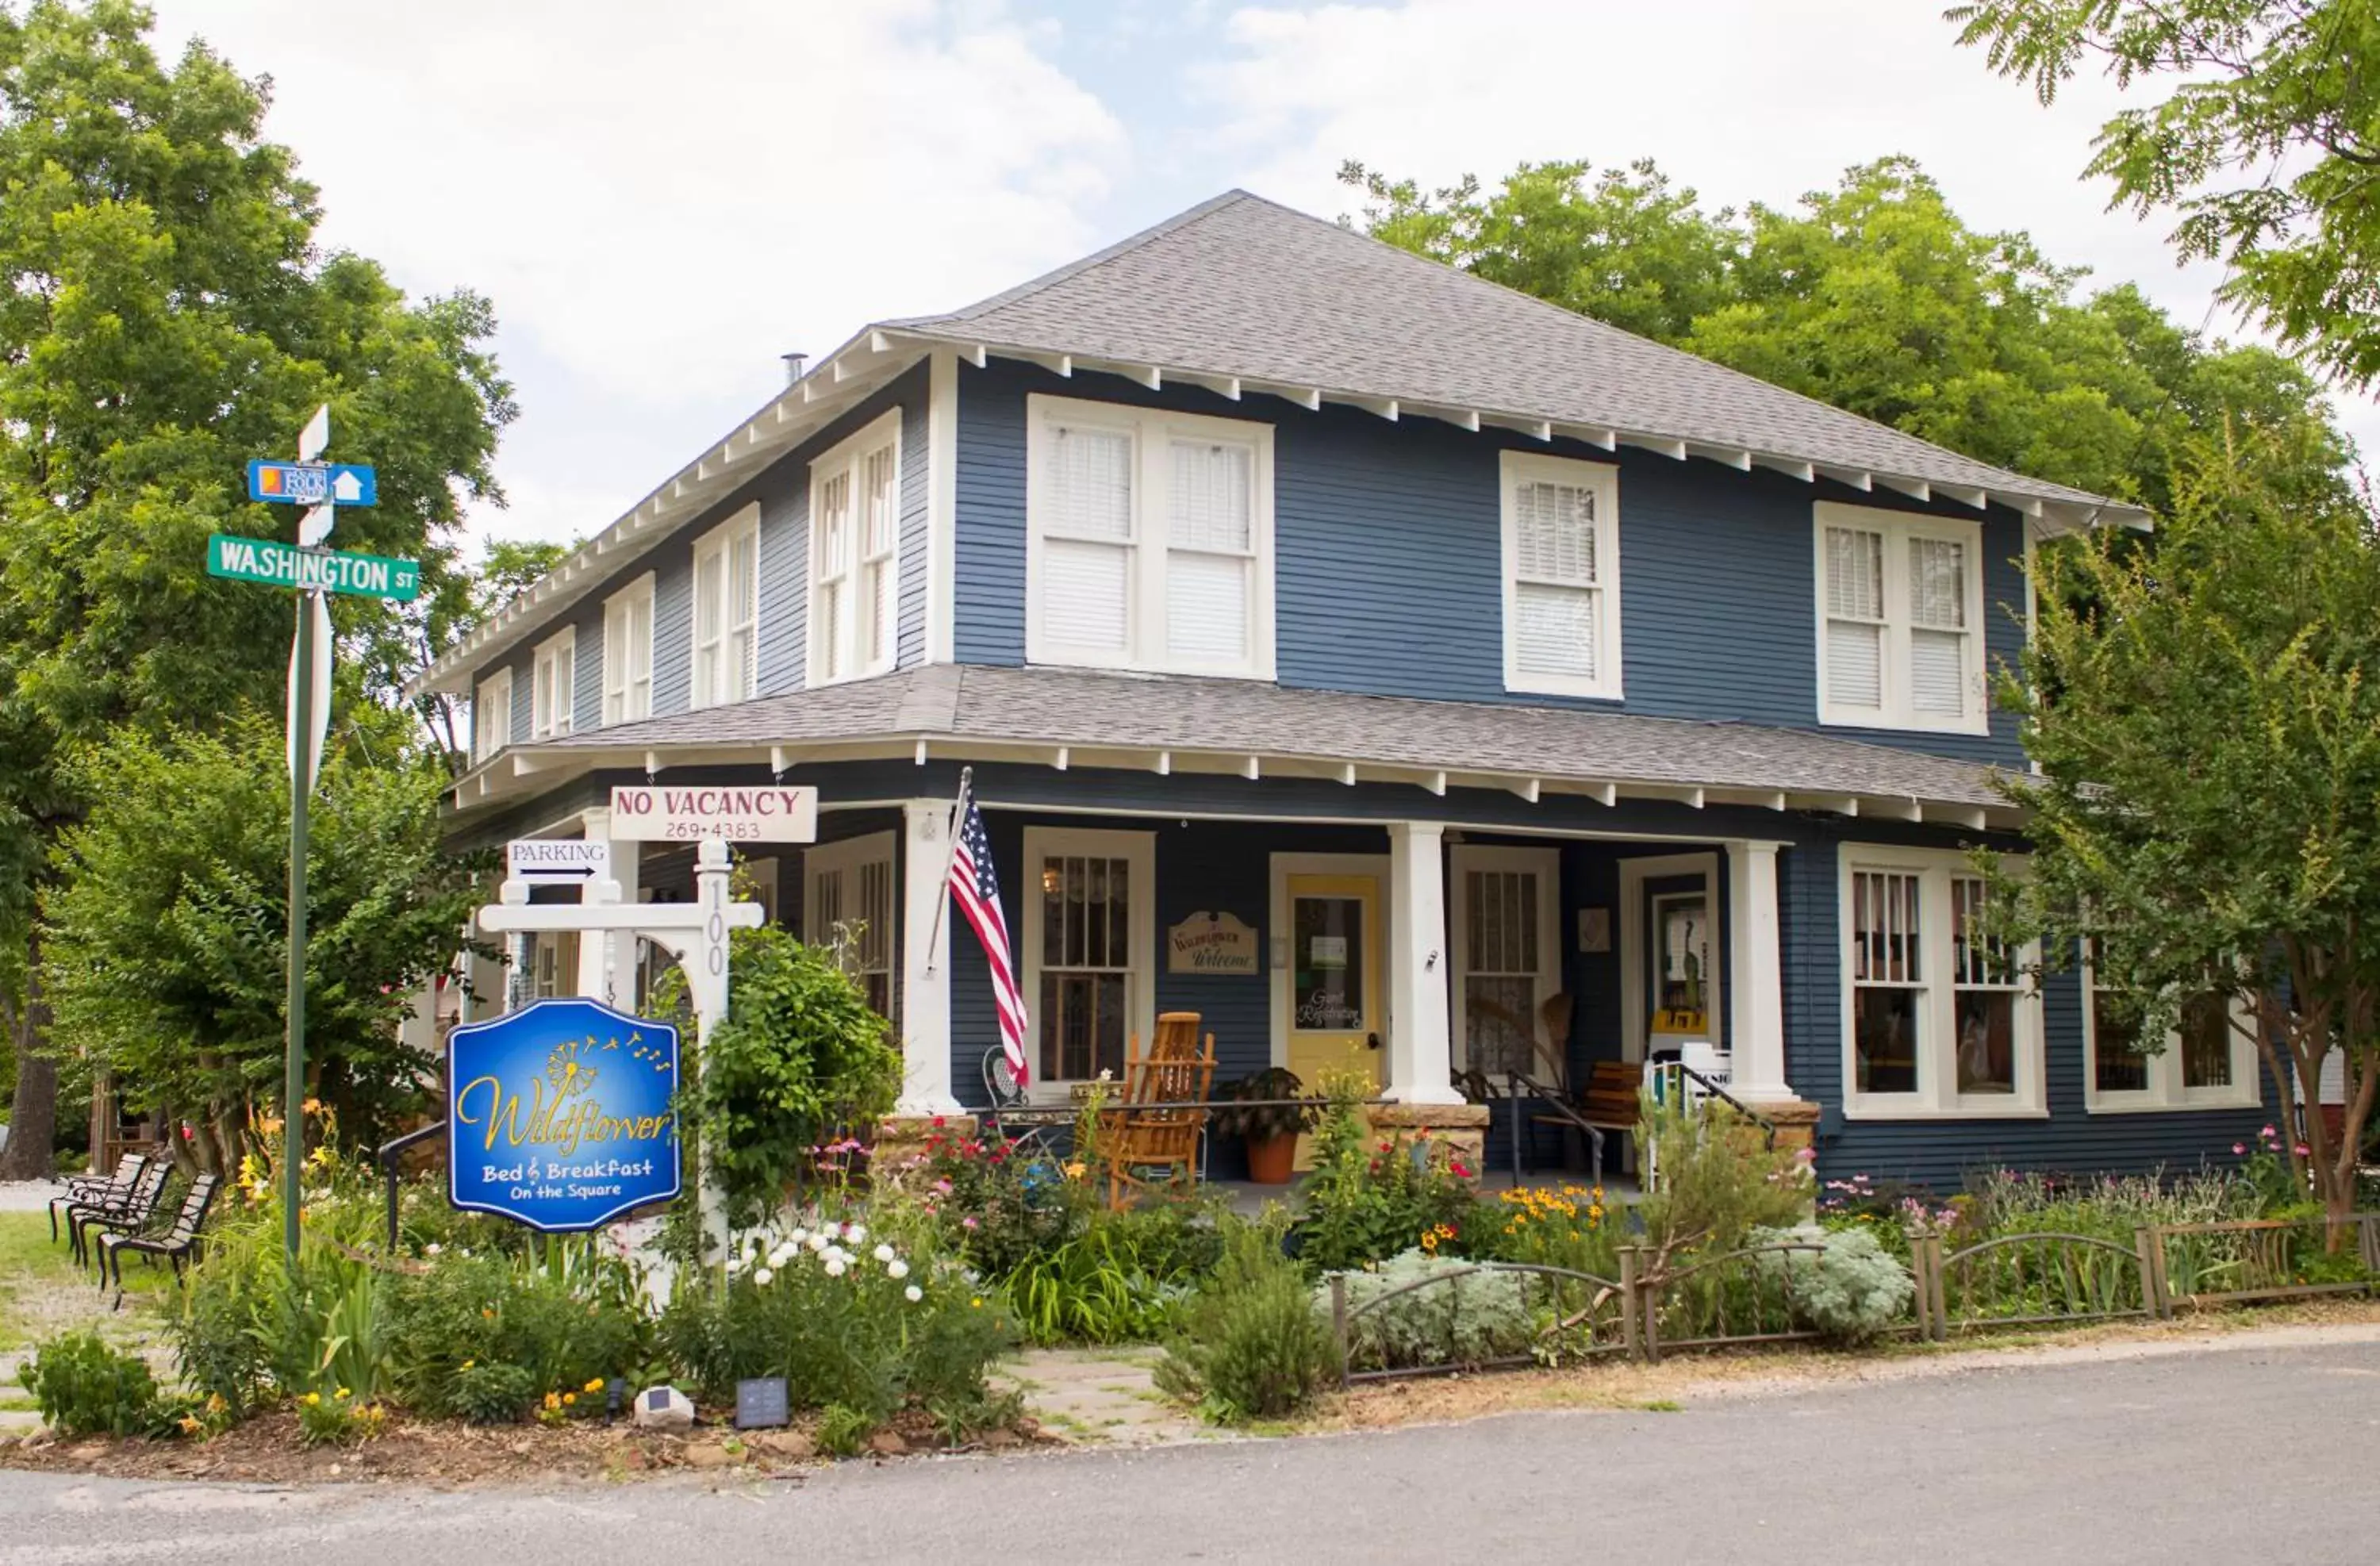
2266 144
1877 297
2206 816
164 933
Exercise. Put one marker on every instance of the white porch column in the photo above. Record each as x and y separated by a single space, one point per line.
607 960
1757 986
926 939
1420 1057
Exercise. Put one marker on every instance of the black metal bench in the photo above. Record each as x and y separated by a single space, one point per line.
175 1245
98 1190
134 1211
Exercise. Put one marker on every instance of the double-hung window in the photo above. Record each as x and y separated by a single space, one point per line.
1937 1016
629 653
1561 575
553 686
1151 540
1901 617
727 610
848 906
855 617
492 715
2207 1060
1090 937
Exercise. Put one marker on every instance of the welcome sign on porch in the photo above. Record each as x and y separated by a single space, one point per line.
558 1115
1211 943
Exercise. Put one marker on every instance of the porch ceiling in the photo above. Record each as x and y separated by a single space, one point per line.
1069 718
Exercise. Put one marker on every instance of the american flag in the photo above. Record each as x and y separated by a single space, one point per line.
977 887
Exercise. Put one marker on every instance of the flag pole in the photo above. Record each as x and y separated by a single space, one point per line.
949 832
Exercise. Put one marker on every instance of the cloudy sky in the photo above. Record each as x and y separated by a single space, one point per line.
662 198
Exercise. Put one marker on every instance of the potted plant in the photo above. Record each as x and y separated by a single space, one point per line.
1269 1127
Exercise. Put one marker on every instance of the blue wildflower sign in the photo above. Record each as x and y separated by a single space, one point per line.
560 1115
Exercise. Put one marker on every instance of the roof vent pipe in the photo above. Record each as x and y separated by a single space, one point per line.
793 366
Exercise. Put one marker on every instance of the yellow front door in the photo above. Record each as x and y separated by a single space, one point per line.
1336 1022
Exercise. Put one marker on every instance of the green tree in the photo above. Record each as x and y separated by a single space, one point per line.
2206 817
2266 144
163 933
165 314
450 611
1877 297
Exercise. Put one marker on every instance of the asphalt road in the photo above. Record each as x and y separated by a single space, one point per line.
2237 1453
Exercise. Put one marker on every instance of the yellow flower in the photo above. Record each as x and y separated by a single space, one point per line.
340 1392
313 1399
216 1404
468 1363
554 1400
570 1399
976 1303
593 1385
312 1106
189 1423
1074 1170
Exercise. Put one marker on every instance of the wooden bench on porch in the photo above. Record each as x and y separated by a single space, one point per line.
1608 1102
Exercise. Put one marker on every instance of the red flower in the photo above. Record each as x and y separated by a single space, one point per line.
938 1122
1461 1170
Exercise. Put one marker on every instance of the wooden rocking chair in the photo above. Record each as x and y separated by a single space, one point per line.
1136 1141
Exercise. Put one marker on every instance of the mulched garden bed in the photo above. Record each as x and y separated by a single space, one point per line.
266 1450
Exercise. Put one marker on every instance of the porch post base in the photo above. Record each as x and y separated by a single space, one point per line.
904 1142
1462 1128
1796 1121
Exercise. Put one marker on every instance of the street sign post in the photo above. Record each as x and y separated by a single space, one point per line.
312 483
277 564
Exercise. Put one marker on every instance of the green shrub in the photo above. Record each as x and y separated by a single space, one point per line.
845 1315
576 1315
488 1394
1472 1317
85 1388
338 1418
1716 1179
1370 1197
1852 1289
997 1202
1122 1279
843 1431
1251 1345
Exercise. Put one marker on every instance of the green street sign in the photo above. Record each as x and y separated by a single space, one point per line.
286 565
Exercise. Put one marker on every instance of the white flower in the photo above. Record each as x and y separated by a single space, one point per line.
818 1242
762 1277
854 1233
782 1254
734 1266
884 1252
834 1267
797 1236
912 1293
432 1249
897 1268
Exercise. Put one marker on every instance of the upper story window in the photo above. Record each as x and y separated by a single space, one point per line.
1936 1017
1151 540
1561 575
727 610
553 686
1901 617
855 556
2206 1062
492 715
629 653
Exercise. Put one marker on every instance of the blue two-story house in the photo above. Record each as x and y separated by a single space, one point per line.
1388 667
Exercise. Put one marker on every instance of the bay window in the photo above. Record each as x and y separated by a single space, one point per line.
1937 1017
1901 617
1150 539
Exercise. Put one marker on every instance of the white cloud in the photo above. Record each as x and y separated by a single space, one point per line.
662 199
1744 100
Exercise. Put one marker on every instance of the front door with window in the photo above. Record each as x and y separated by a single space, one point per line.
1335 1021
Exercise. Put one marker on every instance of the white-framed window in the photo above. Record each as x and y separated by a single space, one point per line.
629 653
1090 941
1506 945
492 715
854 620
1901 620
1150 539
1561 575
553 686
848 896
727 610
1939 1019
2207 1061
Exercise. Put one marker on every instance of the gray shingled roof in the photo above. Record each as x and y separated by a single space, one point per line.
1240 286
962 702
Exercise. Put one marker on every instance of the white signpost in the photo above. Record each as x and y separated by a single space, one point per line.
695 934
661 813
558 861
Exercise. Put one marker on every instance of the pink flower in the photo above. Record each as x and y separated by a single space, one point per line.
2239 1147
2303 1150
2268 1131
967 1222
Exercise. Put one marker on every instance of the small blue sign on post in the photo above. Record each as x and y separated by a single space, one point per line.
560 1115
313 483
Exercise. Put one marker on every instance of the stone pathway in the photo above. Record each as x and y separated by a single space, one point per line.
1100 1397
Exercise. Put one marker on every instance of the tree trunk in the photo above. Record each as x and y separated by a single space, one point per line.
33 1115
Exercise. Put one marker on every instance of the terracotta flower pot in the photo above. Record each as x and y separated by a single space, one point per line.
1271 1157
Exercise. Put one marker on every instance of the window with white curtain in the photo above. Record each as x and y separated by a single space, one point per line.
1937 1017
553 686
1151 540
1900 613
727 610
848 907
629 653
1561 575
855 622
492 715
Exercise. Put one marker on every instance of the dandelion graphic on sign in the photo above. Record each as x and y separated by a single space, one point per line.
569 1073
